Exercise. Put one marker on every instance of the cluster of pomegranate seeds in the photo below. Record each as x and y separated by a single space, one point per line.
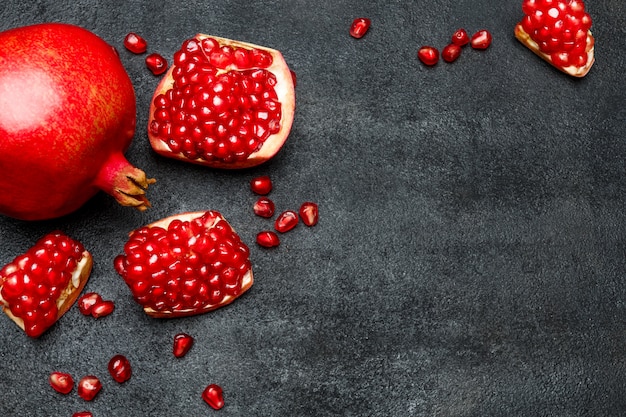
156 63
560 29
187 266
61 382
182 344
88 387
119 368
34 284
215 114
92 304
135 43
359 27
214 396
429 55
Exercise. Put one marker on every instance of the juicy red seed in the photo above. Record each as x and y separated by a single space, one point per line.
451 52
261 185
264 207
286 221
359 27
156 63
428 55
267 239
309 213
119 368
82 414
102 308
135 43
481 39
182 344
87 301
214 396
61 382
88 387
460 37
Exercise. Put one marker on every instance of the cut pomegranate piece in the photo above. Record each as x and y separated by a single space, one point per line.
261 185
223 103
264 207
182 344
451 52
88 387
214 396
481 39
185 264
120 369
559 32
286 221
428 55
460 37
135 43
61 382
156 63
359 27
309 213
267 239
87 301
38 287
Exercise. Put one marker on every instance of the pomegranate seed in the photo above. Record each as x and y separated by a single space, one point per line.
451 52
213 396
264 207
119 368
267 239
135 43
61 382
286 221
460 37
102 309
309 213
182 344
428 55
82 414
359 27
261 185
481 39
87 301
88 387
156 63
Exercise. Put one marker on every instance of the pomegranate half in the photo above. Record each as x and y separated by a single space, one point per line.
223 104
67 115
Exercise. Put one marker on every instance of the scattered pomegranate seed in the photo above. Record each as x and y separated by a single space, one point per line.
309 213
267 239
102 309
481 39
451 52
182 344
359 27
87 301
213 396
261 185
61 382
460 37
120 369
88 387
286 221
135 43
428 55
82 414
264 207
156 63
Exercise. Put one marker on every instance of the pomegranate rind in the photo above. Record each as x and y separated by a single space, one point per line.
574 71
247 279
285 90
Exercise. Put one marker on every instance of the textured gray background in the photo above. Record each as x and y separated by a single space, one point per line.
470 255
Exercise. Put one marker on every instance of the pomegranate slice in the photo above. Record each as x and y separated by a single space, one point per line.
38 287
185 264
559 32
223 103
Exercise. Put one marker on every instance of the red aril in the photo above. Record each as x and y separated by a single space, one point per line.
82 414
185 264
87 301
359 27
261 185
223 104
182 344
120 369
156 63
460 37
67 115
214 396
264 207
38 287
428 55
559 32
61 382
451 52
309 213
286 221
267 239
88 387
102 309
481 39
135 43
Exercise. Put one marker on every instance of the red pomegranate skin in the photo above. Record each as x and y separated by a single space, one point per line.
67 108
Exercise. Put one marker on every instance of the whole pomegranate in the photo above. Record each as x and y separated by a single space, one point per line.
67 115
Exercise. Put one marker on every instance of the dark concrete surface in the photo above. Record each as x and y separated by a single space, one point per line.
470 255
